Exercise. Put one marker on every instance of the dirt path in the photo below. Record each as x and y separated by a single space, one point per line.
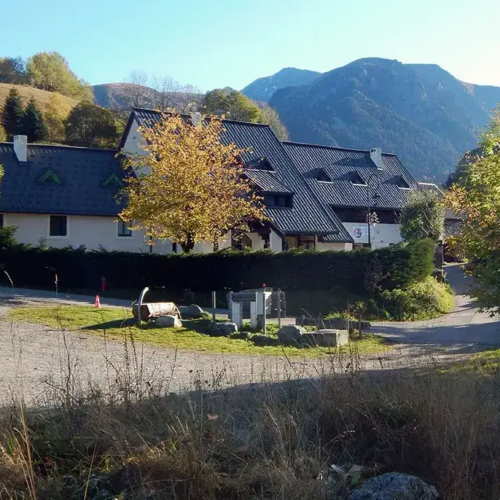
38 362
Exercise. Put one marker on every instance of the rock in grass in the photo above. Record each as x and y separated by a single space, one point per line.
264 340
192 311
168 322
290 334
394 485
223 329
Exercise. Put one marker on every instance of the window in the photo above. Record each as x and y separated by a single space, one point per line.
401 182
351 214
58 225
278 200
259 164
322 176
123 230
300 241
356 179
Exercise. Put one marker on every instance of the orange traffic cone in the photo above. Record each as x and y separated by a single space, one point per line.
97 303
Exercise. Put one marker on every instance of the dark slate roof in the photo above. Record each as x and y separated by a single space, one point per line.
82 172
307 216
267 182
342 165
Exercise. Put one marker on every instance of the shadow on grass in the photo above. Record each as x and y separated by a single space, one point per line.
197 325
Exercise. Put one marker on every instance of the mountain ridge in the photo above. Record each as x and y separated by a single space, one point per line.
419 111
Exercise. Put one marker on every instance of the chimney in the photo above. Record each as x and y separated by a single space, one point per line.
21 147
376 157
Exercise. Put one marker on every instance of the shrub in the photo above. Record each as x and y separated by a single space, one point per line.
422 300
357 273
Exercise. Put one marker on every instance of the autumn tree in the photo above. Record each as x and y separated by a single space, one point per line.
477 201
188 187
54 118
422 217
50 71
237 106
91 126
12 113
3 134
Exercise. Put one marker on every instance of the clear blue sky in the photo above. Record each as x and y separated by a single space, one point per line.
216 43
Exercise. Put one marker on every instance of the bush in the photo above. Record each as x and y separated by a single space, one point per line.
423 300
357 273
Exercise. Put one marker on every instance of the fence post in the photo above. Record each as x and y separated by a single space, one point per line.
214 303
264 309
230 305
279 307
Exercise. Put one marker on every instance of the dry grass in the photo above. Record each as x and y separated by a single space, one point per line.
42 96
277 440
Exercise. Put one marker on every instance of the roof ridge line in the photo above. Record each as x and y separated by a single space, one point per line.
62 146
309 144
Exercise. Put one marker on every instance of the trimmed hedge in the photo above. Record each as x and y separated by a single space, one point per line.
359 271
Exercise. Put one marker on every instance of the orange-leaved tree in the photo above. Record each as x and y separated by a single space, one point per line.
187 186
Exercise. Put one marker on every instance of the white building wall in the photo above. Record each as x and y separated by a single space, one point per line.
134 140
382 235
325 246
90 231
275 242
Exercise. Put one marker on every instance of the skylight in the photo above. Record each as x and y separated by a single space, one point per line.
49 177
357 180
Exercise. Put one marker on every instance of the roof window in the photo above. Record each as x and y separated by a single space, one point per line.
356 179
322 176
401 182
49 177
259 164
113 181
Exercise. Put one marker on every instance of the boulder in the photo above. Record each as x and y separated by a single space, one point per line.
290 334
264 340
240 335
168 322
326 338
223 329
394 485
191 311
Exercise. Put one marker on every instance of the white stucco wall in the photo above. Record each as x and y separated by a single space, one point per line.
325 246
382 235
275 242
89 231
133 140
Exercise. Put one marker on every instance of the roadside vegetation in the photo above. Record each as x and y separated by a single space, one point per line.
134 440
117 324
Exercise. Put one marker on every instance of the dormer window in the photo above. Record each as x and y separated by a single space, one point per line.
49 177
401 183
357 180
278 200
259 164
113 181
322 176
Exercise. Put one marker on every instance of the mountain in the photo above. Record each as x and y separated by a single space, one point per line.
419 111
262 89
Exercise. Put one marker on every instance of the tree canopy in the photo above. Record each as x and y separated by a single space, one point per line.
12 113
188 187
12 70
422 217
91 126
50 71
54 118
236 106
477 200
33 123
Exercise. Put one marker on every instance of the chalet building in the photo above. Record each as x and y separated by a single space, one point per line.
315 197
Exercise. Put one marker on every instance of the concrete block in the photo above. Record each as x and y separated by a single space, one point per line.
326 338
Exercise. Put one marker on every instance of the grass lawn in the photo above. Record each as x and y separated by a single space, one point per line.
118 322
486 363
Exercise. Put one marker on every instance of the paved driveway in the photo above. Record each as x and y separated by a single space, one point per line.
464 326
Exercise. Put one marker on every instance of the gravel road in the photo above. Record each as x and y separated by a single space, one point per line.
39 363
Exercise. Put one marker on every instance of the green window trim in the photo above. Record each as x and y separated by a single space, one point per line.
113 181
49 177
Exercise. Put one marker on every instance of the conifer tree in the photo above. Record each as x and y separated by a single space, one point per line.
33 123
12 114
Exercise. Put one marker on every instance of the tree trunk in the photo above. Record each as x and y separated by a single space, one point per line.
188 243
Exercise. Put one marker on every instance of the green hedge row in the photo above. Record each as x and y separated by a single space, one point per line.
358 271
